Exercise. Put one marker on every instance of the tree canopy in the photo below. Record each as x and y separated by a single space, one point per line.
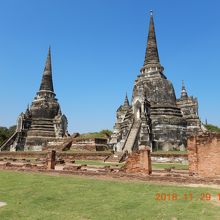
212 128
5 133
102 134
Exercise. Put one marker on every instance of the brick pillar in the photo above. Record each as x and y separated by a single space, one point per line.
192 149
51 160
145 159
139 162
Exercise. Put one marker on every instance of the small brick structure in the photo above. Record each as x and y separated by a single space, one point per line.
51 160
204 155
89 144
139 162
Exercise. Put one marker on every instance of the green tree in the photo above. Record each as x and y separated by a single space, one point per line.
11 130
5 133
106 132
212 128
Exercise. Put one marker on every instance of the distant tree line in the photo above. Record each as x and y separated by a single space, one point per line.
5 133
101 134
212 128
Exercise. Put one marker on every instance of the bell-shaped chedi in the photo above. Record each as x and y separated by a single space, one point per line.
154 118
43 121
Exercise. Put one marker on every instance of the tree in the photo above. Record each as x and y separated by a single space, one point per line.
5 133
106 132
212 128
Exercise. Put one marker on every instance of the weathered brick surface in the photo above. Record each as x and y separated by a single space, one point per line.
90 144
67 156
22 166
138 162
204 155
51 159
22 154
83 156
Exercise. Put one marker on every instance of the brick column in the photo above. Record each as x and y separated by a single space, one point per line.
139 162
51 160
192 155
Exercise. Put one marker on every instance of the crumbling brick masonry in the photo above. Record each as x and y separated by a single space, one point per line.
139 162
204 155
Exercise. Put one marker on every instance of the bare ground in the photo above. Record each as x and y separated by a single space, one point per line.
3 204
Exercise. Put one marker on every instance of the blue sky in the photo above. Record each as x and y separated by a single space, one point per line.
98 49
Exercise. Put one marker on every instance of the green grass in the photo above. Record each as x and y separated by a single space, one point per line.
169 152
37 196
97 163
177 166
154 165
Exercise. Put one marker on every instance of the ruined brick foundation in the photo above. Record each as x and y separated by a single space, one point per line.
139 162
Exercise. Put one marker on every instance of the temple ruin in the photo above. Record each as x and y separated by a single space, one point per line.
43 121
155 117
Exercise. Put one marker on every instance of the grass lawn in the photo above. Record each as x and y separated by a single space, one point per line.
97 163
177 166
37 196
168 152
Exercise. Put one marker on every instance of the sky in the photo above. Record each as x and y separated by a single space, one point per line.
98 49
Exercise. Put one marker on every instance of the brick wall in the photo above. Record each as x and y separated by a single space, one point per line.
84 156
64 155
89 144
204 155
22 154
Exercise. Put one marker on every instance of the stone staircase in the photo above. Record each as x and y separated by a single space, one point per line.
130 141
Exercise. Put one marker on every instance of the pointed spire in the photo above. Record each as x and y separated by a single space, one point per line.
151 55
27 112
27 109
47 81
126 102
184 92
